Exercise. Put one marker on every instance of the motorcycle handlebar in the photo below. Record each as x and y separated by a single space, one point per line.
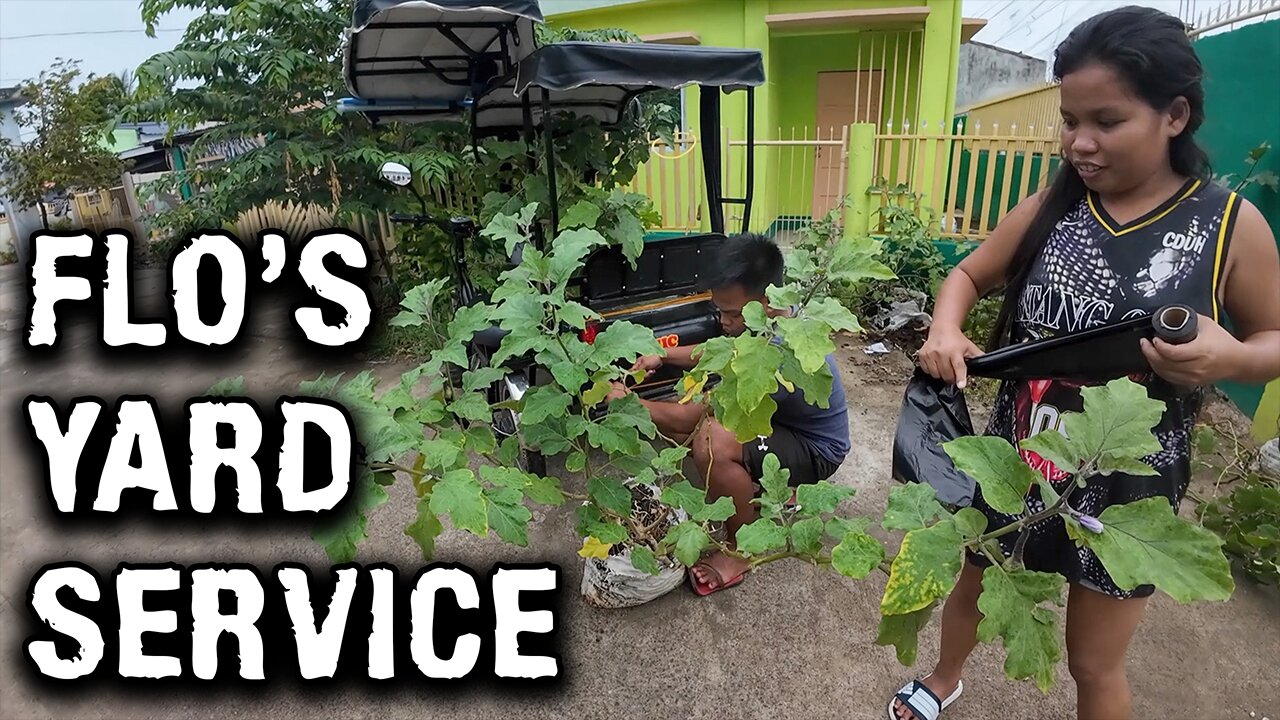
453 226
416 219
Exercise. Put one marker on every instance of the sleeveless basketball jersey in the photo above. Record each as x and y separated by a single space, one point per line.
1095 271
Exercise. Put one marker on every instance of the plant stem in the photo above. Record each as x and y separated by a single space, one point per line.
1025 521
813 289
766 559
1018 547
990 556
397 468
586 458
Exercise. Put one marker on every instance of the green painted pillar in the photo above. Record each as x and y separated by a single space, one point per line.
940 59
861 169
755 35
1266 419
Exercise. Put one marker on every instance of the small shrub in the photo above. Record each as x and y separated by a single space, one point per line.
1244 508
909 251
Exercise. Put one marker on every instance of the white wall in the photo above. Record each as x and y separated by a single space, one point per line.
987 71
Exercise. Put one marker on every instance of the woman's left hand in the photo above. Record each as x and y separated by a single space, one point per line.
1203 361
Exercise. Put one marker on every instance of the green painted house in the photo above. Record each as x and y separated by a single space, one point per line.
829 64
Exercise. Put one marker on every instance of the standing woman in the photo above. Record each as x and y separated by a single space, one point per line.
1131 222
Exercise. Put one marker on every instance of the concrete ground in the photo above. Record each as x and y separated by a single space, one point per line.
791 641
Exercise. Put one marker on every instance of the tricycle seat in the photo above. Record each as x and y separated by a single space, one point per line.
687 320
489 338
665 269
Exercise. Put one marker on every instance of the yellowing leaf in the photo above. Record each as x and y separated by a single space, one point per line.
593 548
692 387
596 393
925 568
857 555
784 382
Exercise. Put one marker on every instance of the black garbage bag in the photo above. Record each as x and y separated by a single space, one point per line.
934 412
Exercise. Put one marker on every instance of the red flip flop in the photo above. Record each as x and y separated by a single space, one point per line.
705 589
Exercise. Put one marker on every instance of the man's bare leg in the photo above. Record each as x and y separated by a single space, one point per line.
674 420
718 455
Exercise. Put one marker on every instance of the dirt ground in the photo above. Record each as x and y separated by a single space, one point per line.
791 641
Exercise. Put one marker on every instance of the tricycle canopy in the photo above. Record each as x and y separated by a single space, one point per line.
476 61
444 51
593 79
600 80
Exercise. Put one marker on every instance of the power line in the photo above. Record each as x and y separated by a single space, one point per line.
1020 22
1053 35
87 32
1004 7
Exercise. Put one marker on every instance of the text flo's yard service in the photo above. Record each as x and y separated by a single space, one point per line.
309 445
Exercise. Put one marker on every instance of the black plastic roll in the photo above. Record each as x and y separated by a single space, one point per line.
1175 324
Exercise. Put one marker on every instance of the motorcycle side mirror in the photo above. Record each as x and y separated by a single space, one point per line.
396 174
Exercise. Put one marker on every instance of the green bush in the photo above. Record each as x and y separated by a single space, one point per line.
910 251
1244 508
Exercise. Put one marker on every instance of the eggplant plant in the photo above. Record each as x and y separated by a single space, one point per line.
433 428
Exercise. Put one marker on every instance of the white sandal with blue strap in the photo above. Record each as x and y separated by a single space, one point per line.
921 701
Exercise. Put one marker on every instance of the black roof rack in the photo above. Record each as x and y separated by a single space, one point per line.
476 61
440 50
637 67
600 80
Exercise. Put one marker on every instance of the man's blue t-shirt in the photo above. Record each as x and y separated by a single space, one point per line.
826 430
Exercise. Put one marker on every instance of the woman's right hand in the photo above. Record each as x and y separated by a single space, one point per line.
944 353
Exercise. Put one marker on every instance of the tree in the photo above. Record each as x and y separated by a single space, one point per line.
270 70
67 152
280 87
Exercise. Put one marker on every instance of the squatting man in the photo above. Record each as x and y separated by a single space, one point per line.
809 441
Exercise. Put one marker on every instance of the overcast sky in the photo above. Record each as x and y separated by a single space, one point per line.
107 35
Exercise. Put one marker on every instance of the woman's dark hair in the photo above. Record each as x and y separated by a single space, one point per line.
1151 51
